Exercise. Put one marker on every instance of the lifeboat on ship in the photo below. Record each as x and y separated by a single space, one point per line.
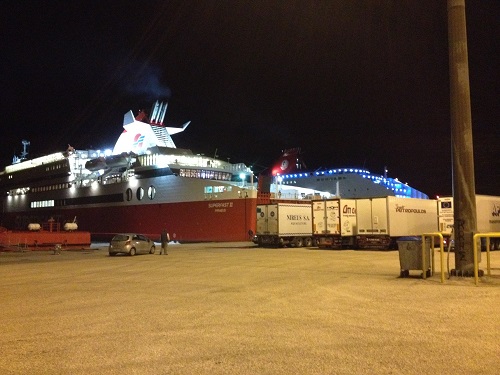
96 164
117 161
69 227
34 227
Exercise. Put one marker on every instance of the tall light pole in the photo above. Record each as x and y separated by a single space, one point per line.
464 193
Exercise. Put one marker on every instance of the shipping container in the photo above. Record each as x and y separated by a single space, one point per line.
334 223
381 221
283 224
487 215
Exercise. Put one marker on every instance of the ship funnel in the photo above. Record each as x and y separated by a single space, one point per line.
162 113
154 112
158 113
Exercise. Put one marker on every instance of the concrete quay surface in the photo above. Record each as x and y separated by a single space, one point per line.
233 308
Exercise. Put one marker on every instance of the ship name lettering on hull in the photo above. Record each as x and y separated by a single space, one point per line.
220 207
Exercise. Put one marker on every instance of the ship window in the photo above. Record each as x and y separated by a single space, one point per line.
151 192
205 174
128 193
40 204
140 193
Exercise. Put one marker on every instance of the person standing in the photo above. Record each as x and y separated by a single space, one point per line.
165 238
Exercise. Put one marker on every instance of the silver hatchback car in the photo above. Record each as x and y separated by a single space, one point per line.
131 244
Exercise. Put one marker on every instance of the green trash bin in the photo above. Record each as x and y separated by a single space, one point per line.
410 255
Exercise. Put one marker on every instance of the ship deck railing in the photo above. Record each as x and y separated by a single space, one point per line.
268 198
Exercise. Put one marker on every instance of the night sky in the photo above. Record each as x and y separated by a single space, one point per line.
353 83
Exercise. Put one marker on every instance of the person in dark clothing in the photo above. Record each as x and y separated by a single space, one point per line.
165 238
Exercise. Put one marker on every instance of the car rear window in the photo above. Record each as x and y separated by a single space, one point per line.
120 237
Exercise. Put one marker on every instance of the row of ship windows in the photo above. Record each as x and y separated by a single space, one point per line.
39 189
207 174
54 167
151 193
289 182
140 194
193 173
66 185
330 178
41 204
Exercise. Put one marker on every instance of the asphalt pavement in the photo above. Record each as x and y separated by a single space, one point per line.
232 308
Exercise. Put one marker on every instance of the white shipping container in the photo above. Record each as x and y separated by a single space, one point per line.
487 211
334 217
325 217
381 221
396 217
411 216
262 226
348 217
372 216
284 219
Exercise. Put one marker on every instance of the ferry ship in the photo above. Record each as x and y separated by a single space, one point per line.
145 184
290 172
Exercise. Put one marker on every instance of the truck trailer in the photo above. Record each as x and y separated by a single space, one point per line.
284 224
381 221
487 213
334 223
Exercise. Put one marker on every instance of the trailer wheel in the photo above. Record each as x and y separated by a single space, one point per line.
298 242
308 242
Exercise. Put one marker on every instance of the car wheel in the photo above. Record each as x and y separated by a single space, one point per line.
152 251
132 251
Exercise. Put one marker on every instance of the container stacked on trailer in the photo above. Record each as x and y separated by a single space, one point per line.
366 223
334 223
284 224
381 221
487 214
